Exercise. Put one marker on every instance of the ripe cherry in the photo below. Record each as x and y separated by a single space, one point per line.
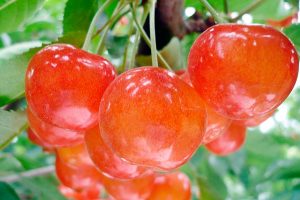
106 160
133 189
35 139
64 86
175 186
77 177
51 135
229 142
216 124
91 193
283 22
150 117
243 71
255 121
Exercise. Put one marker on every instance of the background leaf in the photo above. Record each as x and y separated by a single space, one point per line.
293 32
7 192
14 15
11 124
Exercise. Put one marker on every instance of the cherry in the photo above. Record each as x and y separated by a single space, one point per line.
133 189
106 160
77 177
216 124
150 117
175 186
35 139
283 22
64 86
243 71
76 155
255 121
53 136
91 193
229 142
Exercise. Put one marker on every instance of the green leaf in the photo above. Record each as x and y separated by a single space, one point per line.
7 192
77 18
14 13
284 169
12 74
18 48
293 32
11 124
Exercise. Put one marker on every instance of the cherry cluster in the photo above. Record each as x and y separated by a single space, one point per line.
128 132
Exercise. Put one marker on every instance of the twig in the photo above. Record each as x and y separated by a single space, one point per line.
213 12
152 34
29 174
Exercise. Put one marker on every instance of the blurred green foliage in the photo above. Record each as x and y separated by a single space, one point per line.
266 168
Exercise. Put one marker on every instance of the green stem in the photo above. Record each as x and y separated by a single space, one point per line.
138 37
100 46
248 9
152 34
213 12
226 10
88 38
147 40
111 21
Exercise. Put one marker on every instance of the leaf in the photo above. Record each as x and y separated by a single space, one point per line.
12 74
11 124
284 169
14 13
18 48
77 18
7 192
293 32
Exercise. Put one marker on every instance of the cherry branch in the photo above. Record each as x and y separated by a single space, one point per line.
29 174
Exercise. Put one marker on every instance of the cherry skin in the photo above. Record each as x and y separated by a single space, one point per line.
216 124
53 136
76 155
64 86
255 121
77 177
35 139
91 193
175 186
150 117
106 160
134 189
229 142
243 71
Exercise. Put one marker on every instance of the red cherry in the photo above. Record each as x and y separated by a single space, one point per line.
134 189
150 117
107 161
51 135
175 186
283 22
64 86
35 139
216 124
75 155
91 193
255 121
243 71
77 177
229 142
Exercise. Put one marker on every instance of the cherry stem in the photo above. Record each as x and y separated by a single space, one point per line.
101 44
248 9
147 39
152 34
213 12
29 174
138 35
226 9
89 35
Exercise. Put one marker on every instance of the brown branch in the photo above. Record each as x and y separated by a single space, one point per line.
29 174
